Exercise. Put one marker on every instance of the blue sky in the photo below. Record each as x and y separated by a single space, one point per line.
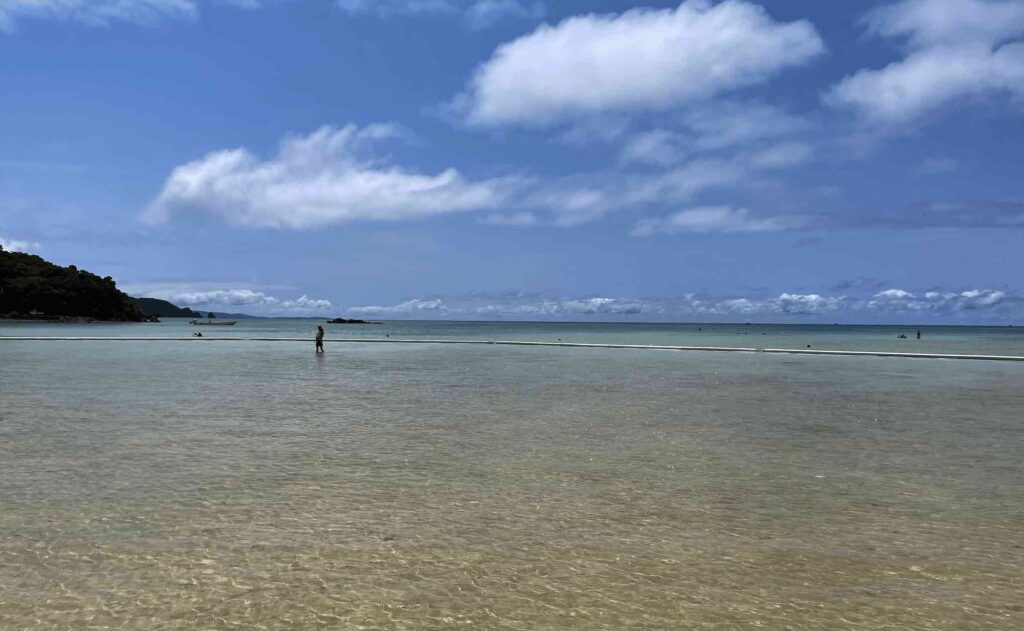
463 159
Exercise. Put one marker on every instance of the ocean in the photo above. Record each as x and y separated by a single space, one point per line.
246 484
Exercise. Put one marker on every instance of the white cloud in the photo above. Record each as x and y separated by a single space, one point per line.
572 307
932 22
956 49
891 305
408 307
17 245
303 303
639 60
328 177
944 302
335 176
233 298
712 219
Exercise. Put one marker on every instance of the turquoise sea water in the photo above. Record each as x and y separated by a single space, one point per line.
173 485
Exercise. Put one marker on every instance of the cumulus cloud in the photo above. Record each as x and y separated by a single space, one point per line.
335 176
888 305
233 298
409 307
640 60
900 300
712 219
956 49
17 245
331 176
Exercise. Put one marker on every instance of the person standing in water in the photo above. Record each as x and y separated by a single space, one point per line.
919 334
319 339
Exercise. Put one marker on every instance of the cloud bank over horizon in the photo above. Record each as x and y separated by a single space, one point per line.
853 301
252 301
896 305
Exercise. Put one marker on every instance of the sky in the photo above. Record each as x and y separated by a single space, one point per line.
774 161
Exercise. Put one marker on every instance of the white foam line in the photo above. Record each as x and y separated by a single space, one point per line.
715 349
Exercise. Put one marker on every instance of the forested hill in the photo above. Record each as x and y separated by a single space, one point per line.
164 309
33 287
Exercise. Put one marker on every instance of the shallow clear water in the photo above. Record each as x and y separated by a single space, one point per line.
248 485
1004 340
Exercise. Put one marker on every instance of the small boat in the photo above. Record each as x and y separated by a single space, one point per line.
213 322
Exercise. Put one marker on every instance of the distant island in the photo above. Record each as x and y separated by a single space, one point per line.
32 288
344 321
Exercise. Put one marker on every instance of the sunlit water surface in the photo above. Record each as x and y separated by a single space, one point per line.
174 485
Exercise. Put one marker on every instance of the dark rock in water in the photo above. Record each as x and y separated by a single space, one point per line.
344 321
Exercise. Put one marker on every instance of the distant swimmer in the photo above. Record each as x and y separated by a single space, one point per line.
197 334
919 334
319 339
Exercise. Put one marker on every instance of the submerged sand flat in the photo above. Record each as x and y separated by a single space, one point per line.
222 486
